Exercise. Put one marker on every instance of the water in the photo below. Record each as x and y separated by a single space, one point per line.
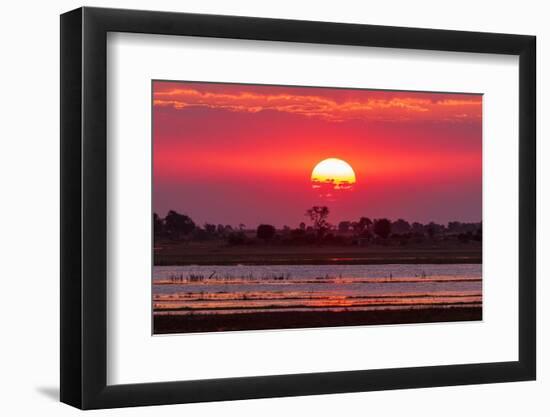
216 289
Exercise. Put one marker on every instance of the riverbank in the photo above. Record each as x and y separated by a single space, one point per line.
196 323
215 253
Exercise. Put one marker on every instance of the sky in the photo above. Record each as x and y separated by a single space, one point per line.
243 154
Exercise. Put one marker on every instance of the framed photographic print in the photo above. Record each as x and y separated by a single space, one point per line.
258 208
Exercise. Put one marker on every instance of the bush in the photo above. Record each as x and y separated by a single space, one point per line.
265 232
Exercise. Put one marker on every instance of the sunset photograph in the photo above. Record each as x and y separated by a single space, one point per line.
294 207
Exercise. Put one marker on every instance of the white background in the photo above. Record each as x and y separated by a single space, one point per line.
29 229
134 356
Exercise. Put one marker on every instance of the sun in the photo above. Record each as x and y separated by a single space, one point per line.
333 173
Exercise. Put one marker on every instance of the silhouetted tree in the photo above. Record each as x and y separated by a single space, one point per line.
479 234
401 227
303 226
318 216
364 224
454 227
178 225
265 232
417 228
210 228
344 226
434 229
158 225
382 227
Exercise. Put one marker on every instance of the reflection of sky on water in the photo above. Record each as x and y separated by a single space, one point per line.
233 289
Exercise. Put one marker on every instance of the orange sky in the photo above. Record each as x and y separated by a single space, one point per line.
236 153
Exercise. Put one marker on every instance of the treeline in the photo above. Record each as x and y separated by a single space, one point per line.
178 227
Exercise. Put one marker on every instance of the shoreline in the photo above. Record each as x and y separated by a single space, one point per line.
358 261
220 254
170 324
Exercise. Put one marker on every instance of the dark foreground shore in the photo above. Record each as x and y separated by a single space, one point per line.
164 324
218 253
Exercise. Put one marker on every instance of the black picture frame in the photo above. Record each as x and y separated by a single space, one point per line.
84 207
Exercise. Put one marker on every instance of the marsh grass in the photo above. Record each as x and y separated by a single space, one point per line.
176 278
186 278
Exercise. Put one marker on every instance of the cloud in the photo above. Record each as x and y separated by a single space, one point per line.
373 106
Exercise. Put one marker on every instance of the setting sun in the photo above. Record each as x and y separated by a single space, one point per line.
335 172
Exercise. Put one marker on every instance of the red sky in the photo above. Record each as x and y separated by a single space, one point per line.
236 153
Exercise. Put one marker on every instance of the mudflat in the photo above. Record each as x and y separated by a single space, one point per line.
196 323
217 253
